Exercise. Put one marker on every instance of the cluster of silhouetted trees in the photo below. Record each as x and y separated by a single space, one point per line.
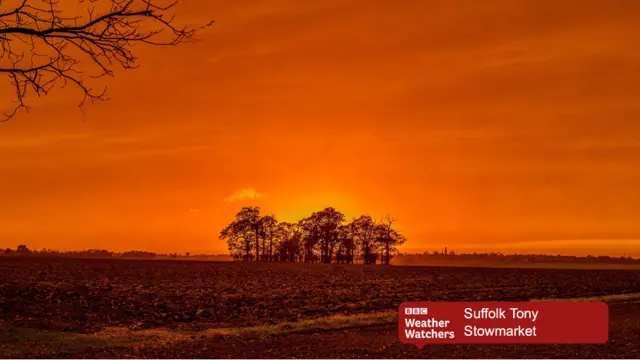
322 237
21 249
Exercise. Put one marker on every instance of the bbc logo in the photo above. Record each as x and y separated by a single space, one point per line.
415 311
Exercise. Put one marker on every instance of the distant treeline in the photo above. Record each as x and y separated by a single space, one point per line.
399 258
93 253
101 253
419 258
324 237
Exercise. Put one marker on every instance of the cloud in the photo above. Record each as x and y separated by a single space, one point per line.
41 141
246 193
194 211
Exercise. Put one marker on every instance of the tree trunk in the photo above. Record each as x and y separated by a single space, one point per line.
387 255
325 251
270 247
257 246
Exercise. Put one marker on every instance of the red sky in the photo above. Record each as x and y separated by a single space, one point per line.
482 125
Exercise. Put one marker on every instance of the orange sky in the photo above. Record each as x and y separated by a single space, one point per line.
482 125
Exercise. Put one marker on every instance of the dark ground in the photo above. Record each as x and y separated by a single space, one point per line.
382 342
83 296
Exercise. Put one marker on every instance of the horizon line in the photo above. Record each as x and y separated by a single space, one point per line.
402 253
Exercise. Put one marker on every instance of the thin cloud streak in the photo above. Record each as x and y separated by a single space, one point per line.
246 193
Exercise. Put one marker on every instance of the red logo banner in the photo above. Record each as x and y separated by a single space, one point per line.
554 322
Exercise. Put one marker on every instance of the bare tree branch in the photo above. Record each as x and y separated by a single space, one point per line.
41 46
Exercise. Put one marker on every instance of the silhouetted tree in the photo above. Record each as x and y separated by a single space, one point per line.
43 42
389 238
346 244
243 231
310 238
326 224
22 249
269 229
238 241
289 238
254 222
365 236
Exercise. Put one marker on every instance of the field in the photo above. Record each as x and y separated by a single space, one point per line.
62 307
